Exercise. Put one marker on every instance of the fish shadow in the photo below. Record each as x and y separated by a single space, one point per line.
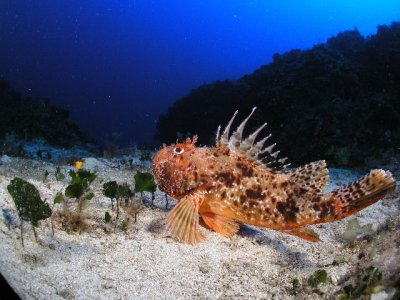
291 257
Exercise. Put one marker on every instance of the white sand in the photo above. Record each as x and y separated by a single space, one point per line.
145 263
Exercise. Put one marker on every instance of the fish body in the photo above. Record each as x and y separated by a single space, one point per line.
239 180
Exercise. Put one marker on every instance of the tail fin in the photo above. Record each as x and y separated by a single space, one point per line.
366 191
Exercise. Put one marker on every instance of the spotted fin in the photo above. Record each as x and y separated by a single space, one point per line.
248 147
357 195
225 226
313 176
183 221
304 233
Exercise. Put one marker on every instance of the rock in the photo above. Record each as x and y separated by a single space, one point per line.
92 163
5 159
380 296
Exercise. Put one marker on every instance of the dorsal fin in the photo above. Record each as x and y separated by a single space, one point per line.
313 176
247 147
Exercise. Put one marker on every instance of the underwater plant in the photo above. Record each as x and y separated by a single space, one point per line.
144 182
110 191
134 208
319 277
107 217
118 192
124 192
30 206
363 283
58 174
79 188
80 181
45 176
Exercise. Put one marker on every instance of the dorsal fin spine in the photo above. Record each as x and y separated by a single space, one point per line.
268 149
217 142
275 154
261 143
225 135
239 131
248 147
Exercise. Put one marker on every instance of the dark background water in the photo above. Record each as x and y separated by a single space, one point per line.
116 65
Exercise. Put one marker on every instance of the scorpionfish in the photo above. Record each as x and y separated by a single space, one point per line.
241 181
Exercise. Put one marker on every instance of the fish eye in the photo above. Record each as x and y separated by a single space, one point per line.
178 150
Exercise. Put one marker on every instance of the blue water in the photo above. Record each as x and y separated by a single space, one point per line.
116 65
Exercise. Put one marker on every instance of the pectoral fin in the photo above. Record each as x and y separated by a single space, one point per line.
304 233
183 221
225 226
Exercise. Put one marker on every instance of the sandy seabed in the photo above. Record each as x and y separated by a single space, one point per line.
143 262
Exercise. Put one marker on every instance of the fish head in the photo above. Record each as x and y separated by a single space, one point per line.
171 167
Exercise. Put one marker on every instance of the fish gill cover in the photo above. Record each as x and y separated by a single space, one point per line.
337 101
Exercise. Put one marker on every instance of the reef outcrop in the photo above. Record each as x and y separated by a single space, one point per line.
338 101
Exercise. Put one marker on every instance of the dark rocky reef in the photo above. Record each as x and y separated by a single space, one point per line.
36 118
338 101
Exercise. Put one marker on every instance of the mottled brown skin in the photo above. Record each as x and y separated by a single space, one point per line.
237 188
230 183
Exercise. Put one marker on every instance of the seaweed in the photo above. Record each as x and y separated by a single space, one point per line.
319 277
45 176
116 191
79 188
295 282
144 182
107 217
133 209
30 206
110 189
124 224
124 192
58 174
364 284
